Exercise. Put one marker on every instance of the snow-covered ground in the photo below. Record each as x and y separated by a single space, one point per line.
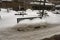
56 11
10 19
53 18
7 19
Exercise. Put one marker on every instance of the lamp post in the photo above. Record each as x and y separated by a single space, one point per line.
43 8
42 13
0 4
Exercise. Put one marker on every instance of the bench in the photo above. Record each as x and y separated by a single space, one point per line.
19 19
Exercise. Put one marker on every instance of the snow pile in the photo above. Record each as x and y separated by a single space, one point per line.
7 19
53 18
32 12
56 11
10 19
31 24
39 21
3 10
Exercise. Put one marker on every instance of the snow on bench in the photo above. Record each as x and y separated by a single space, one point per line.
19 19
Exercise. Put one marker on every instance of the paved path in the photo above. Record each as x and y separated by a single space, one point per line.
31 35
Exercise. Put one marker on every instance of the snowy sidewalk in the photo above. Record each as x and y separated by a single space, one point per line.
31 35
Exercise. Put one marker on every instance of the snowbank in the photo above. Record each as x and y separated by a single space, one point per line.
9 19
32 12
53 18
27 24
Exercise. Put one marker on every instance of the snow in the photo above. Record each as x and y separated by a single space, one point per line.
53 18
9 19
57 6
31 12
41 3
56 11
33 22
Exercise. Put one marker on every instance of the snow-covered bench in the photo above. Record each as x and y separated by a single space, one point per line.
19 19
